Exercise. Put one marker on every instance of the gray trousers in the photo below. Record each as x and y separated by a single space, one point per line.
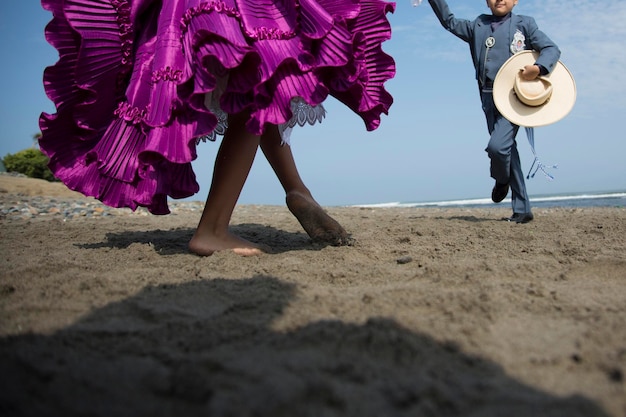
506 167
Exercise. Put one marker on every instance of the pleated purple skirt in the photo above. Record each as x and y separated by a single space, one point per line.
133 78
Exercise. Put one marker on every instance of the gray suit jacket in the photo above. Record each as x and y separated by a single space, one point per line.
475 32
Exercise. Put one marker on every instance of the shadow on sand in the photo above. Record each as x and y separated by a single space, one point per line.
174 241
208 348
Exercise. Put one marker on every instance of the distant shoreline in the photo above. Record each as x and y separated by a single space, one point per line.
583 199
18 184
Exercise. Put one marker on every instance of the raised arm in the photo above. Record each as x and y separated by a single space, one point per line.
462 28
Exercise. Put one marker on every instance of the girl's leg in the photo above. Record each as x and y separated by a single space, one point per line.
315 221
232 165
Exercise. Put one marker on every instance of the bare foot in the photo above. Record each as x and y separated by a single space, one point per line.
204 244
316 222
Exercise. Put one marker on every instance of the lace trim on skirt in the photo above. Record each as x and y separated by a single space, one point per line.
303 114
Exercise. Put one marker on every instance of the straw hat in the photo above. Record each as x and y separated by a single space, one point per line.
539 102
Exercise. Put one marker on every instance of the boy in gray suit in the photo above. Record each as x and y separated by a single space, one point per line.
492 40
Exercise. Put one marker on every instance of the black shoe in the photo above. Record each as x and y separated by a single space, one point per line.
520 218
499 192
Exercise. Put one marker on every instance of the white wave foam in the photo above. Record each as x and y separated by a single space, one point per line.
487 201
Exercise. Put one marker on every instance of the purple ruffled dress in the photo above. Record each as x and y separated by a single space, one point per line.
139 82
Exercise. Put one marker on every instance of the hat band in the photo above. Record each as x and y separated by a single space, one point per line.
533 93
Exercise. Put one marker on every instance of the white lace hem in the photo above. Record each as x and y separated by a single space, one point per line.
303 114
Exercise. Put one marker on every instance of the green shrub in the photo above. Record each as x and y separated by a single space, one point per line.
30 162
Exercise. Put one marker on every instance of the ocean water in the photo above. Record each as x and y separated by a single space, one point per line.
572 200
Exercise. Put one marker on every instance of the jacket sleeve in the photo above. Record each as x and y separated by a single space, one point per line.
462 28
549 52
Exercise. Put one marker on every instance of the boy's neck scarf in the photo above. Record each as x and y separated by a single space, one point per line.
496 21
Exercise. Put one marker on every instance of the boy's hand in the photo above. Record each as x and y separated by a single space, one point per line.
530 72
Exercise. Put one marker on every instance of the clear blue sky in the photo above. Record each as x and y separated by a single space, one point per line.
431 146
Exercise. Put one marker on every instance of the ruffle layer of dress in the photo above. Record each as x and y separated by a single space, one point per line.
133 78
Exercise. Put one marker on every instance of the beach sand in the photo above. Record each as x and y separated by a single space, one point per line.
432 312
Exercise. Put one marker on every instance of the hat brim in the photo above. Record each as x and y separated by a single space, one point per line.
558 106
